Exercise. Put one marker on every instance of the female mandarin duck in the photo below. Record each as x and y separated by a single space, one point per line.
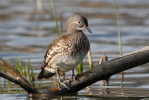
66 51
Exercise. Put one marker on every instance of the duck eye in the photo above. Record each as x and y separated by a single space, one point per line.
79 22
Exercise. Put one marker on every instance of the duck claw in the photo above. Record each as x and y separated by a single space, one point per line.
64 84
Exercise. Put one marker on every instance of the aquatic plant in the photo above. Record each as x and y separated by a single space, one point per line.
120 45
119 32
26 70
58 30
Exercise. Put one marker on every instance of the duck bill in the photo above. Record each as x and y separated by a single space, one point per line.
87 28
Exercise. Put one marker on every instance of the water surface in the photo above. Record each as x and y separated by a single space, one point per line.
25 33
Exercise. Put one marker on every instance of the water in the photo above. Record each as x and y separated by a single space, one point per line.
26 33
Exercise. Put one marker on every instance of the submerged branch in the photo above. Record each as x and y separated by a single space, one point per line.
99 72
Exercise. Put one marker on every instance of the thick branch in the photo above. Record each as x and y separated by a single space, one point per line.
103 71
100 72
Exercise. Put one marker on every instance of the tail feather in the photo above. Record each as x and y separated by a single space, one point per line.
45 74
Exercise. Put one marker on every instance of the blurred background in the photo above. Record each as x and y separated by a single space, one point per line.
27 27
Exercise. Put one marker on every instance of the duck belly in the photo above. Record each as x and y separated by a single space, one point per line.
65 63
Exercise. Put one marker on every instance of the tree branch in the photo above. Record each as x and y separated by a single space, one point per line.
99 72
16 77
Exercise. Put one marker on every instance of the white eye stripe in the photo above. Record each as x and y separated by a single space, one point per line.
72 23
75 22
81 28
78 28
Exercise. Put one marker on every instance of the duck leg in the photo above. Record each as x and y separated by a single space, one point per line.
61 84
73 75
